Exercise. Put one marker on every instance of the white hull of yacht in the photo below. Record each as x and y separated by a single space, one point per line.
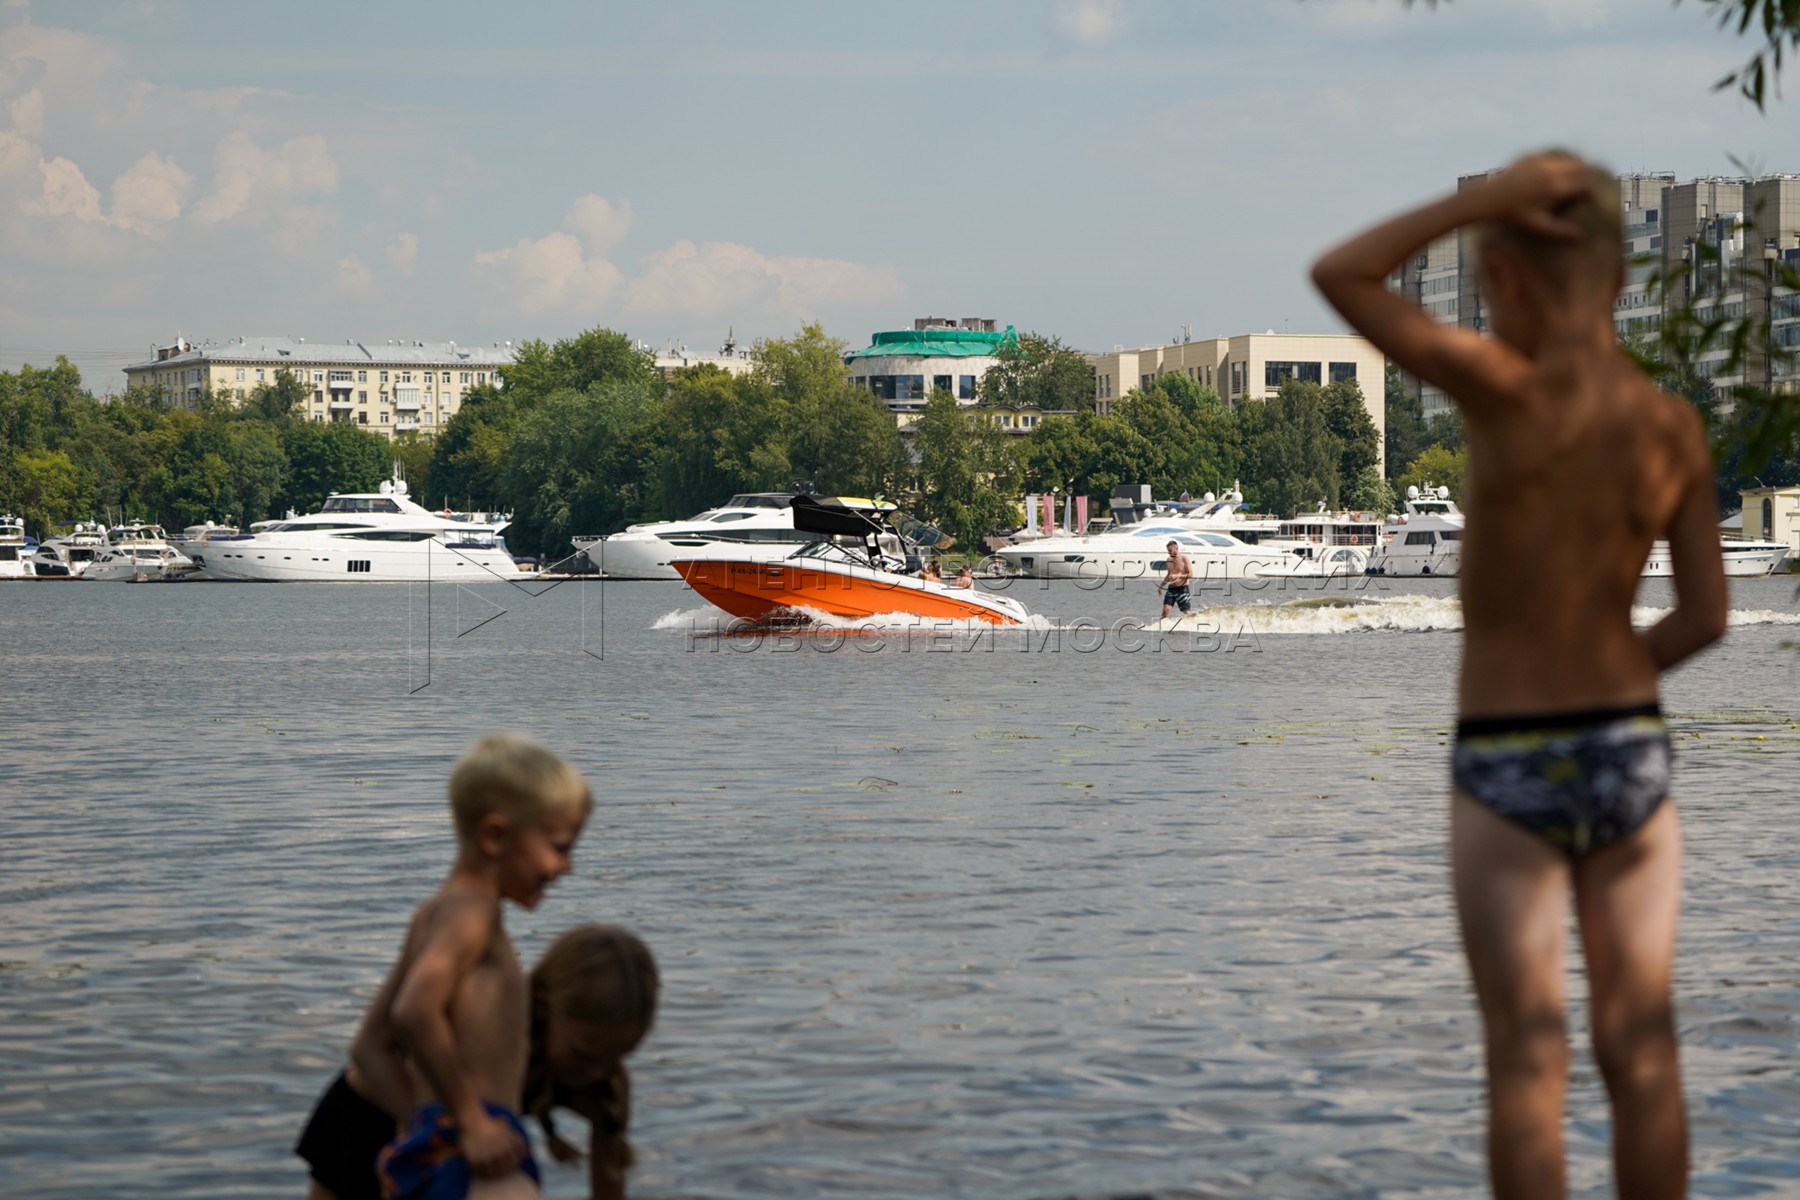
273 558
1743 559
1082 559
646 556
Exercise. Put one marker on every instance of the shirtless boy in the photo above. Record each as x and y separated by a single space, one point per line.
1561 763
443 1047
1176 576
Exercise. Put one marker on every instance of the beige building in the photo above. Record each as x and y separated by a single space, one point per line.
386 389
1250 367
1773 515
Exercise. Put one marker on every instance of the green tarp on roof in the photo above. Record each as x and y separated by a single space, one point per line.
936 343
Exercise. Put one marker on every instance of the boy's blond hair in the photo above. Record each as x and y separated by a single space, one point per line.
1591 262
521 780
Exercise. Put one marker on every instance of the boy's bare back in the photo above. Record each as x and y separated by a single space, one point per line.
1566 490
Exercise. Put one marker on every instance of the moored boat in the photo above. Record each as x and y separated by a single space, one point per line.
15 553
137 552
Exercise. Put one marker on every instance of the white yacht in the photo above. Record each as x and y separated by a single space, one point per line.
1141 552
1744 557
192 542
750 527
70 554
1425 540
134 553
374 537
15 555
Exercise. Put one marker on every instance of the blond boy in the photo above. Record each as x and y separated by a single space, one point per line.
1561 766
443 1047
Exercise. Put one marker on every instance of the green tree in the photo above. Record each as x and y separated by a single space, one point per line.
1291 456
1369 492
1436 467
48 489
720 435
581 461
1404 418
281 402
575 364
1347 417
965 467
1038 371
330 456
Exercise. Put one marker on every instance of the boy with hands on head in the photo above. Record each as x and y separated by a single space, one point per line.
1561 763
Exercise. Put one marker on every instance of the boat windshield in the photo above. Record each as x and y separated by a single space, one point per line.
367 504
829 551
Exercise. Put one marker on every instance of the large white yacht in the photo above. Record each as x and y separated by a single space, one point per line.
1141 552
192 542
358 537
1425 540
750 527
69 554
136 553
1744 557
15 555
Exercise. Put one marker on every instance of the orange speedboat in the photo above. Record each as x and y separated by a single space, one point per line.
828 577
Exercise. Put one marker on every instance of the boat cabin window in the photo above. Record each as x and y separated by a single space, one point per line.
731 516
760 500
366 504
1213 539
1451 535
1421 538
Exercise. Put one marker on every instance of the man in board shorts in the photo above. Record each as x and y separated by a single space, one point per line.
1176 575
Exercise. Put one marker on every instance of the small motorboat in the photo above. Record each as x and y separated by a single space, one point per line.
839 579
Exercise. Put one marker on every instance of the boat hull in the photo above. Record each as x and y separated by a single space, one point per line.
278 561
771 593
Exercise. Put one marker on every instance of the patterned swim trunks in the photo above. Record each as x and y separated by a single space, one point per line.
1580 781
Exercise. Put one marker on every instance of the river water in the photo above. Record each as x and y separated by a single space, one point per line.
1072 911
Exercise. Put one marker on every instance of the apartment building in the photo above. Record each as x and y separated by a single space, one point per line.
1249 366
386 388
1672 230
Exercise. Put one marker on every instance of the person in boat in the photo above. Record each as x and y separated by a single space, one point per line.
1560 765
932 573
442 1051
1178 572
965 578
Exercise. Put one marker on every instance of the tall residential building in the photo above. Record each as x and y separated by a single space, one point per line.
1249 366
387 389
1720 241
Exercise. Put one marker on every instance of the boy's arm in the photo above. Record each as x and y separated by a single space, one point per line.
1696 561
462 935
1483 374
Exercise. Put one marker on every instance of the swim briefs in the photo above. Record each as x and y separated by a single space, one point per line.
1177 594
342 1139
1580 781
425 1162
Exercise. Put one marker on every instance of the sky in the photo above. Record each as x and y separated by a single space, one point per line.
1107 171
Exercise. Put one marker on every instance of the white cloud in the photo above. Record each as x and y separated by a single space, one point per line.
600 225
247 177
550 274
403 252
720 278
354 276
1568 16
149 194
67 193
26 111
1089 22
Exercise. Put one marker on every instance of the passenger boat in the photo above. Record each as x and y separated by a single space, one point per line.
838 579
751 526
1141 552
1425 540
192 542
68 555
15 554
364 537
134 553
1744 558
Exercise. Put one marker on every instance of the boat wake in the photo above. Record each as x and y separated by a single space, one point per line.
710 622
1404 614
